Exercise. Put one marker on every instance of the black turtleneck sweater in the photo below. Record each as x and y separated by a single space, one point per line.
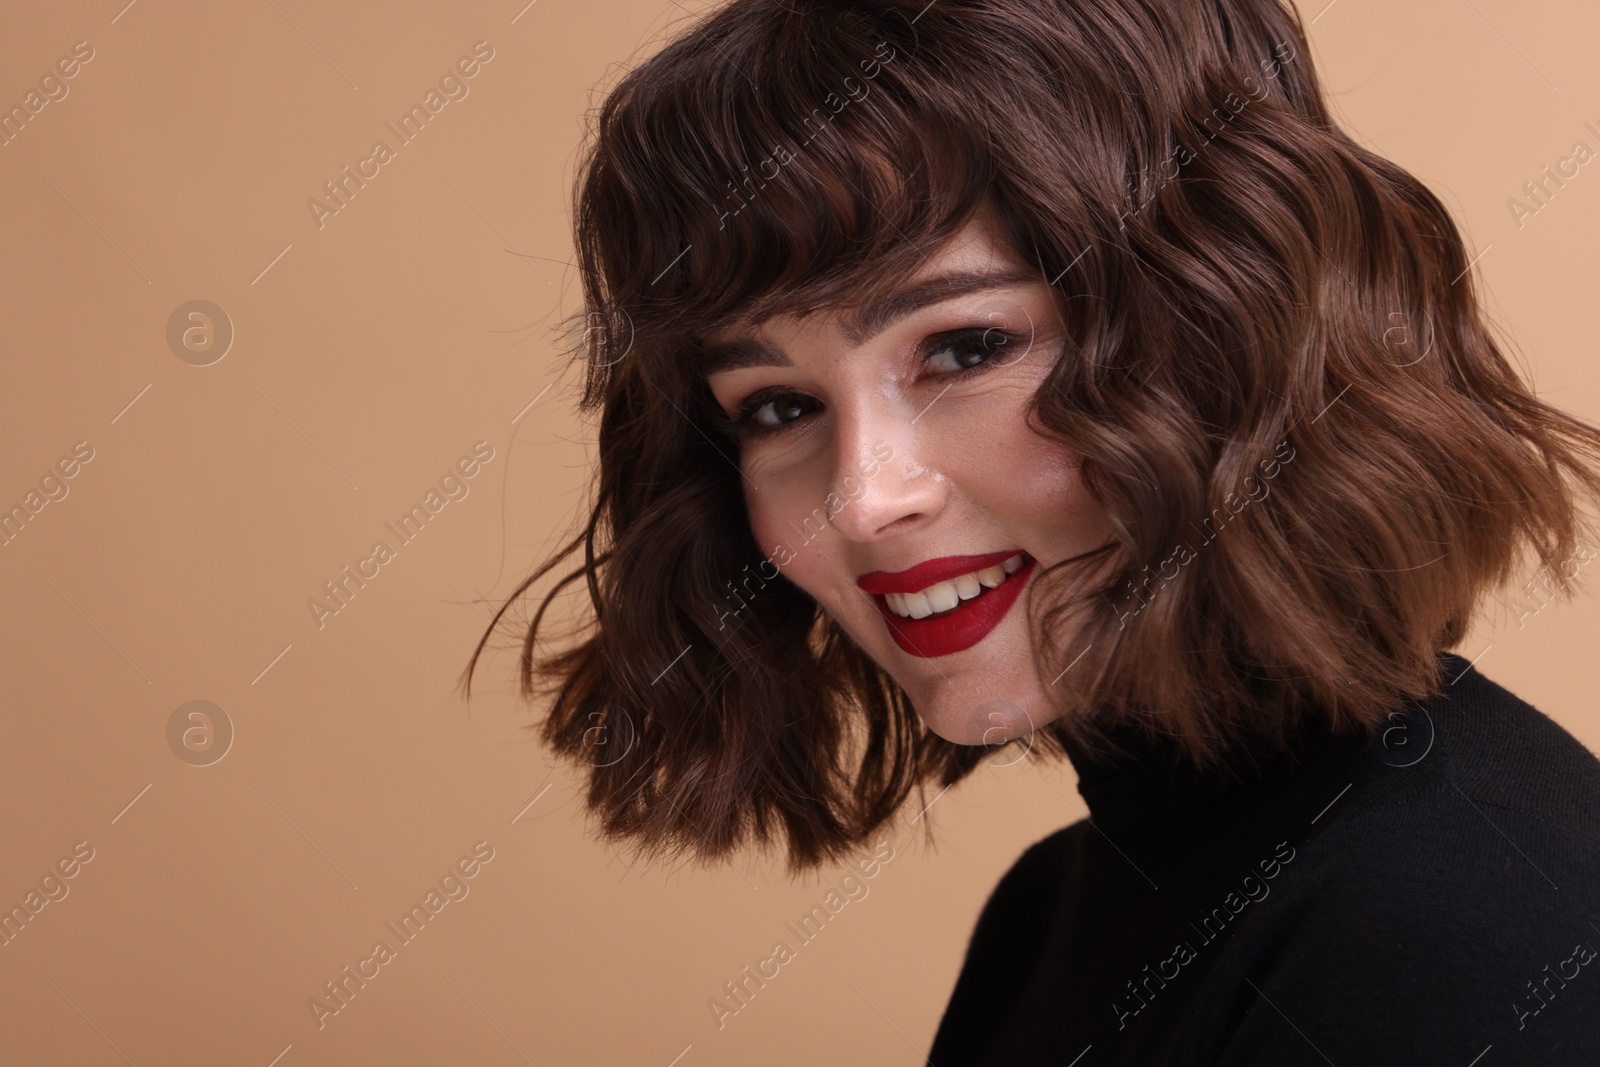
1430 896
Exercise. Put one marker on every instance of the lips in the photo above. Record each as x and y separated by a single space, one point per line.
961 627
929 572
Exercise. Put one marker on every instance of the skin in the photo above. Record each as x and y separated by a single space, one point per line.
966 475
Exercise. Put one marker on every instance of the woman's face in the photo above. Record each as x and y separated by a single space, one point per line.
889 473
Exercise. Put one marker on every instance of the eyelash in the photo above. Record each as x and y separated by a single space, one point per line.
741 424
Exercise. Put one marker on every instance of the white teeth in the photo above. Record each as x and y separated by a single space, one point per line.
943 596
909 605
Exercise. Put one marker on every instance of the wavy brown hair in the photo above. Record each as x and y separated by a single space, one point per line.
1251 300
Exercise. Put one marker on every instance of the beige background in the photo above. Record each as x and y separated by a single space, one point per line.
369 355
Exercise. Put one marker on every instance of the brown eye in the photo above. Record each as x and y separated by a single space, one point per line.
968 349
765 412
770 411
784 410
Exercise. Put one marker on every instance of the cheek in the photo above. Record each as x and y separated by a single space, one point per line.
786 536
792 529
766 524
1020 476
1047 483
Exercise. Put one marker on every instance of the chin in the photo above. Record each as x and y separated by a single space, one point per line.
987 722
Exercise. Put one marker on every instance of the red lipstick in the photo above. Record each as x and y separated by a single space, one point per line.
963 626
930 572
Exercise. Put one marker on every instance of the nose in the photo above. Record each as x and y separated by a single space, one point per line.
888 476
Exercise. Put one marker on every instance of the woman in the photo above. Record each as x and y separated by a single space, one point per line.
973 371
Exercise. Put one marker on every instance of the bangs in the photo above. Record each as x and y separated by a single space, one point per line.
731 193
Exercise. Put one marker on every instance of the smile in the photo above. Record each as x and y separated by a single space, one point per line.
941 598
929 614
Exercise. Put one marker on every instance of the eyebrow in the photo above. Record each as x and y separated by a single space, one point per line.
871 320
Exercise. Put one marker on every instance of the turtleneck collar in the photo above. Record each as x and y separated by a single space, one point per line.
1152 785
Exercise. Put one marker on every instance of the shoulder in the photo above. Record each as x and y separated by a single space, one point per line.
1023 903
1050 855
1448 902
1495 804
1467 763
1498 749
1006 945
1031 885
1439 930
